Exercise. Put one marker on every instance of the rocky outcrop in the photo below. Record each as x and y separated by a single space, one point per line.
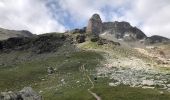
38 44
120 30
94 26
26 93
5 34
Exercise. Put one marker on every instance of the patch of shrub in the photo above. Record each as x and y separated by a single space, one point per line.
94 38
80 38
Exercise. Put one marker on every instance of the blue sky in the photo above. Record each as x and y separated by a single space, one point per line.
41 16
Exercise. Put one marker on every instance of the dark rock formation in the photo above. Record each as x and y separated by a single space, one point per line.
156 39
26 93
37 44
135 33
94 25
116 25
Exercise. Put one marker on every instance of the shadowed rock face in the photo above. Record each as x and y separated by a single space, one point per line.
94 25
116 24
37 44
121 30
156 39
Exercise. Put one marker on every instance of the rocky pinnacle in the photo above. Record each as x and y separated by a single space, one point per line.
94 25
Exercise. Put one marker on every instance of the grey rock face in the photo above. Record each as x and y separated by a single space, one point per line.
94 25
121 30
27 93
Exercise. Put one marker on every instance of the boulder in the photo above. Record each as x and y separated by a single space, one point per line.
27 93
50 70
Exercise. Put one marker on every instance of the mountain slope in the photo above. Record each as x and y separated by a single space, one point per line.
5 34
156 39
77 65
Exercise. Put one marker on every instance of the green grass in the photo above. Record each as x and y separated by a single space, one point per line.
29 73
69 94
90 45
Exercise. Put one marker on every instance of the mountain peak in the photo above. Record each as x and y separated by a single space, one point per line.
119 30
95 17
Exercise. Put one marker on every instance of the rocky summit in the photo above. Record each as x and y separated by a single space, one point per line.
120 30
117 30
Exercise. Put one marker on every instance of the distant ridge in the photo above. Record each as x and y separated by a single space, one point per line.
118 30
156 39
5 33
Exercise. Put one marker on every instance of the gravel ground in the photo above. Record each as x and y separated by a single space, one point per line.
133 72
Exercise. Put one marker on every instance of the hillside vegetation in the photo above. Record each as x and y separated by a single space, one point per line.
116 72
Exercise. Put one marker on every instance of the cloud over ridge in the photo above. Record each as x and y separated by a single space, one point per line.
40 16
29 15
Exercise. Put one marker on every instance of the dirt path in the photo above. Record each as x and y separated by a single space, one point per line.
82 69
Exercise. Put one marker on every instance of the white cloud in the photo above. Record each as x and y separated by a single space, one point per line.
80 10
83 9
30 15
152 16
